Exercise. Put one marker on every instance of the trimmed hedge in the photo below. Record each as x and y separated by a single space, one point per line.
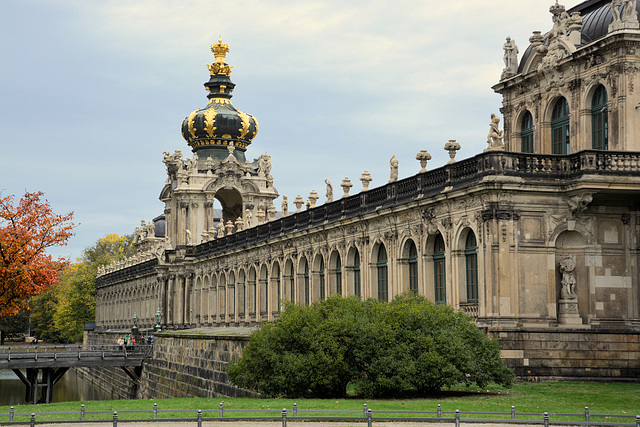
407 346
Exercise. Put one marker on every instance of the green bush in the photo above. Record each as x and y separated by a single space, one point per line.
409 345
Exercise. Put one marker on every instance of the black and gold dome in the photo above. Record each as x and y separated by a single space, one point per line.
211 129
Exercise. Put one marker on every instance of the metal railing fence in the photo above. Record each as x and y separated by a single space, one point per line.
366 415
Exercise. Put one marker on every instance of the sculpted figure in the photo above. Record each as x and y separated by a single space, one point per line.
264 165
247 218
394 169
615 9
221 228
629 13
494 139
567 267
285 205
329 193
192 163
189 242
510 57
579 203
151 229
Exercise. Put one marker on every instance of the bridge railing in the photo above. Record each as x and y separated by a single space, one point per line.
366 415
72 350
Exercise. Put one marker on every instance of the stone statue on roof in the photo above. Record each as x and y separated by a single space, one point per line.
510 58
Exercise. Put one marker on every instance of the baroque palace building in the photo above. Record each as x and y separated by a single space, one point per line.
537 238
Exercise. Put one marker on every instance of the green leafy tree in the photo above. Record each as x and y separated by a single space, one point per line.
72 302
43 308
409 345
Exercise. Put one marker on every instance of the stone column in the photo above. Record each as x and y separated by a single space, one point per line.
182 224
171 283
188 290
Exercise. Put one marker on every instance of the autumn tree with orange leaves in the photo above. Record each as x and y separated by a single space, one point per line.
26 231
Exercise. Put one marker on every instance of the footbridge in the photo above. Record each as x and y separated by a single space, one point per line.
44 365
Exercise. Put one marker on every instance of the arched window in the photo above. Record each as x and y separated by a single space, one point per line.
306 282
323 292
275 277
292 286
383 284
526 133
439 277
560 127
357 289
413 268
599 120
471 264
338 275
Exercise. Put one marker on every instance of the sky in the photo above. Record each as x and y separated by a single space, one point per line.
92 92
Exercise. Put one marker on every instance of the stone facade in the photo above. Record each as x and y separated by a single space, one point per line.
537 238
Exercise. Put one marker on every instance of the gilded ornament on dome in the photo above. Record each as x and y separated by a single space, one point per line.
255 122
209 121
245 124
216 68
192 129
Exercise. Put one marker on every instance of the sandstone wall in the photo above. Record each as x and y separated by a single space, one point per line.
585 355
112 380
183 364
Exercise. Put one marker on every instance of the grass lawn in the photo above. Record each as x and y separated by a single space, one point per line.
556 397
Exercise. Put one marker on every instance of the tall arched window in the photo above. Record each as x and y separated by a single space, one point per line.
306 282
338 276
439 277
599 120
323 292
560 127
526 133
413 268
471 264
275 276
292 286
383 284
357 288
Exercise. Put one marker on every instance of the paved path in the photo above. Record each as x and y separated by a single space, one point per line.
279 424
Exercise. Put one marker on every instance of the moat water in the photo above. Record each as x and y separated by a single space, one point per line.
70 388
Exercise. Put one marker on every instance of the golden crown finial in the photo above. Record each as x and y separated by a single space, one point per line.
220 51
219 66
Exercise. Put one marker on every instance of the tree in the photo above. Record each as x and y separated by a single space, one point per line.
26 231
16 325
409 345
61 313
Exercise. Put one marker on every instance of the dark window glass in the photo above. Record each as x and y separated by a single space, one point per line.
383 285
560 127
526 133
322 289
338 276
306 282
599 120
471 263
439 277
356 275
413 268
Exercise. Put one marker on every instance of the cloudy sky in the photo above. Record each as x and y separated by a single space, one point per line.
92 92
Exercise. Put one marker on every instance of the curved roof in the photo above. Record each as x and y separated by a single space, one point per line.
596 16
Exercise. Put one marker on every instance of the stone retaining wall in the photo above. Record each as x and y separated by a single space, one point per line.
188 363
112 380
585 355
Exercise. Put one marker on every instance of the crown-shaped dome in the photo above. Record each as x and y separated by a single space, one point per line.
211 129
